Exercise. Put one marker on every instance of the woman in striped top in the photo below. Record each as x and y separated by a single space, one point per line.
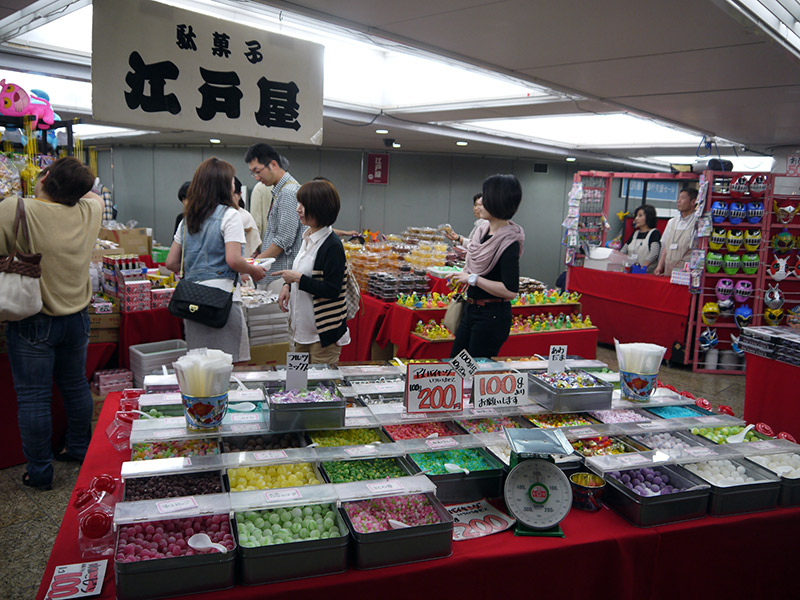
314 289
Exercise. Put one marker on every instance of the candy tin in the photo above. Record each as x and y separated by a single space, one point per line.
173 486
484 479
686 500
293 558
312 411
345 471
758 490
561 400
267 441
787 467
382 548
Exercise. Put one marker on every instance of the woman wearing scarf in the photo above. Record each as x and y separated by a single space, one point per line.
492 270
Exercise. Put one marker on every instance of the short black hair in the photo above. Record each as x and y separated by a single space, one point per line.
237 185
320 201
263 153
184 190
692 193
68 180
649 215
476 197
501 195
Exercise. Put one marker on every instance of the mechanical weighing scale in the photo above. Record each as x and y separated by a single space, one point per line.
537 493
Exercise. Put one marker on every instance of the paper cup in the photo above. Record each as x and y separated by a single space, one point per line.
204 413
637 387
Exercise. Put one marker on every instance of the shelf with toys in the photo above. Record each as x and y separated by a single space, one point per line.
730 289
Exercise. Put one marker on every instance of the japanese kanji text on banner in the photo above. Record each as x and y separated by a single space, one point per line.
200 73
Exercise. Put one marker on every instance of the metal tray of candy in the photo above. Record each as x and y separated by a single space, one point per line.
685 499
375 549
294 416
602 445
467 487
263 441
561 400
735 499
569 463
173 576
790 478
173 486
284 561
365 469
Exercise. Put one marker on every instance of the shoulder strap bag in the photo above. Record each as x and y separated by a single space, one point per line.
454 312
201 303
20 273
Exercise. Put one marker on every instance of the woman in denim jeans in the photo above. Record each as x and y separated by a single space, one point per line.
63 221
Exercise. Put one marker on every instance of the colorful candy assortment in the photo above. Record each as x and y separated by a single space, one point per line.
568 380
302 396
599 446
646 481
345 437
369 516
661 441
285 525
673 412
412 431
489 425
719 435
362 470
786 465
165 539
148 450
721 472
272 477
618 416
172 486
433 463
550 421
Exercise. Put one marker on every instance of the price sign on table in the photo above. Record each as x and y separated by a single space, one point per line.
79 580
296 370
500 389
557 359
433 387
464 364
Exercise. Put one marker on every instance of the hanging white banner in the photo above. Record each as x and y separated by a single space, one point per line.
156 66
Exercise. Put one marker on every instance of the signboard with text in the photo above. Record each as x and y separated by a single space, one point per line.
433 387
378 168
500 389
200 73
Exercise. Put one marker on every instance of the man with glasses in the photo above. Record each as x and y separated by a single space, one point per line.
284 234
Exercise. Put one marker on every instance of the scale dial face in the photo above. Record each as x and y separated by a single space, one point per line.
538 494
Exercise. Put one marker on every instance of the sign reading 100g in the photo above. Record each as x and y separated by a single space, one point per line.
433 387
500 389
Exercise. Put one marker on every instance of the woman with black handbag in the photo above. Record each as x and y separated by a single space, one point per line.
212 256
491 271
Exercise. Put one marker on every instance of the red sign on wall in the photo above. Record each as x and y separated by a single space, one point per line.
378 168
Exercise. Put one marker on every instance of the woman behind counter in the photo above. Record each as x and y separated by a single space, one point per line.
644 245
492 270
314 289
212 254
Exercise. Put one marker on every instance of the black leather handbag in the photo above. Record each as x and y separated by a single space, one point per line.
201 303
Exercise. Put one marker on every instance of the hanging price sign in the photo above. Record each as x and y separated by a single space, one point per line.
464 364
557 360
500 389
433 387
296 370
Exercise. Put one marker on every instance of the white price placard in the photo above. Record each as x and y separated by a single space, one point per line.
557 359
701 451
178 505
386 486
164 434
582 432
282 495
246 418
79 580
500 389
246 427
433 387
413 416
269 454
357 422
441 443
296 370
484 412
632 459
361 451
464 364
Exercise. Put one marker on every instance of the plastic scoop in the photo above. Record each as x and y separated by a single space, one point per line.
201 541
738 437
397 524
453 468
242 406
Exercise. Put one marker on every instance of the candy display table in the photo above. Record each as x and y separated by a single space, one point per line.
10 443
770 394
665 562
633 308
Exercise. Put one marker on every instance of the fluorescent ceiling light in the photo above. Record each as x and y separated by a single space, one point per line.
587 131
382 131
214 141
740 163
395 145
462 143
570 159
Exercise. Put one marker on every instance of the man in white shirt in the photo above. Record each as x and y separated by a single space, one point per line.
676 243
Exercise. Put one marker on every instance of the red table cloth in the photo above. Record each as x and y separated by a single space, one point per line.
369 321
601 555
633 308
146 326
770 394
11 454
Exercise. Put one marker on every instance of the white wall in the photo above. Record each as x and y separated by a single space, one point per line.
423 190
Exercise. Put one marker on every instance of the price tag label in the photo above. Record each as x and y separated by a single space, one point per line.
296 370
361 451
711 420
413 416
762 445
441 443
632 459
359 422
649 425
246 427
246 418
500 389
386 486
557 359
484 411
356 411
181 504
269 455
164 434
79 580
464 364
282 495
701 451
248 395
433 387
172 421
583 432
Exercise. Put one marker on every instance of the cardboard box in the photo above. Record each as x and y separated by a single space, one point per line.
130 241
105 321
102 307
269 354
99 253
103 335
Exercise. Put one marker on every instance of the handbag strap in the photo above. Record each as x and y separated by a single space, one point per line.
183 245
20 219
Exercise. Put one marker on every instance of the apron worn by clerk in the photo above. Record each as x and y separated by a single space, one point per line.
639 248
678 246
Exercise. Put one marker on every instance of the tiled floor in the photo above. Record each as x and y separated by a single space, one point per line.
29 518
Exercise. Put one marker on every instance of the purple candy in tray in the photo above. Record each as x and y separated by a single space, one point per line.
301 397
618 416
646 481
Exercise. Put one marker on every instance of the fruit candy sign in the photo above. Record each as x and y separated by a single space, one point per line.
79 580
500 389
433 387
296 370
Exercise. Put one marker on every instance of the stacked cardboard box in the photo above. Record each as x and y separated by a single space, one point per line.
104 319
267 324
